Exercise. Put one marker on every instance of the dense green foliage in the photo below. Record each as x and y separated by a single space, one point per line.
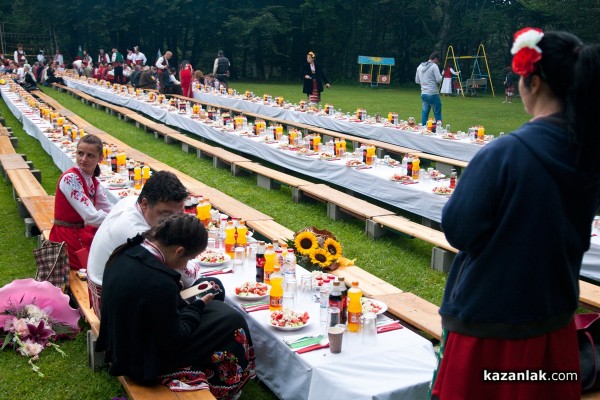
269 39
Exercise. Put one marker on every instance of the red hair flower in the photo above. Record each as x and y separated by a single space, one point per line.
525 50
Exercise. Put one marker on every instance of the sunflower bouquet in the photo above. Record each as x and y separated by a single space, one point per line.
318 249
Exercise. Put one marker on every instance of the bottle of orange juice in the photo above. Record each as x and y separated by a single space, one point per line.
137 177
354 307
203 211
269 263
276 293
145 174
242 230
230 239
415 168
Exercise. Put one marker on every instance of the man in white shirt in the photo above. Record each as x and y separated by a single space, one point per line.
162 195
164 77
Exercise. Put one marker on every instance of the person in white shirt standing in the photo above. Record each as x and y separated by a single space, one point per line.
429 77
164 76
59 59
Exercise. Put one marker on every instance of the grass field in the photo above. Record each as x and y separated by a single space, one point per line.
402 261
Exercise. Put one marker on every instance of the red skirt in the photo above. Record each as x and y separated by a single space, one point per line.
76 239
468 364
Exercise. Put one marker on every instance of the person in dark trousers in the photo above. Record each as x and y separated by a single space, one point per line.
221 68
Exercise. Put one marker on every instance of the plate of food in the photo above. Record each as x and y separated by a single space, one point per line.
212 258
117 182
401 178
252 290
318 277
443 190
289 320
354 163
128 192
372 305
435 174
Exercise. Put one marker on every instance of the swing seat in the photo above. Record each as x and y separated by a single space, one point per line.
472 86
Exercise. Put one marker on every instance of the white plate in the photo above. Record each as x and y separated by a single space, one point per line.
117 185
379 303
209 264
289 329
253 296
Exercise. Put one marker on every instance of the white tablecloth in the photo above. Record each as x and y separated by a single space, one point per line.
458 149
400 366
36 127
374 183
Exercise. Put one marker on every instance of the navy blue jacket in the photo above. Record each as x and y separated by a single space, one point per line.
521 216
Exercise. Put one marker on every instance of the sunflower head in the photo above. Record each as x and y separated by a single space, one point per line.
305 242
320 257
333 247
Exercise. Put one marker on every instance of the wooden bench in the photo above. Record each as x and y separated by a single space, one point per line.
233 207
415 311
12 161
79 290
404 225
41 211
589 296
339 202
6 146
24 183
269 178
271 230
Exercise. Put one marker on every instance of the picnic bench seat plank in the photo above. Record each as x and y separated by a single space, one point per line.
351 204
278 176
233 207
6 146
589 295
414 229
24 183
415 311
41 209
79 289
271 230
370 285
13 161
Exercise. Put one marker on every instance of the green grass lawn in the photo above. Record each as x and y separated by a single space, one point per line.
399 260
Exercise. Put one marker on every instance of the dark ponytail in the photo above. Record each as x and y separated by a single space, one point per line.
181 230
583 107
571 70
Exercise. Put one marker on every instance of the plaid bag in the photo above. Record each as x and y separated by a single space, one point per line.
52 262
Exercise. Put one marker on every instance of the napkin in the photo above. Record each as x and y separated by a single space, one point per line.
224 271
312 348
305 341
255 306
389 327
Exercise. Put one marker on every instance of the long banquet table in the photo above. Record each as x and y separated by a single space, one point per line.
458 149
400 366
374 183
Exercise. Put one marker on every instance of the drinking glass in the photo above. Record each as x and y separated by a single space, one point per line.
369 329
306 289
333 316
289 292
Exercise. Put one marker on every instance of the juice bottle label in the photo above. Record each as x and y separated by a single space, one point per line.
275 303
353 321
268 277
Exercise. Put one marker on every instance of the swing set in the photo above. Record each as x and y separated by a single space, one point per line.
478 79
